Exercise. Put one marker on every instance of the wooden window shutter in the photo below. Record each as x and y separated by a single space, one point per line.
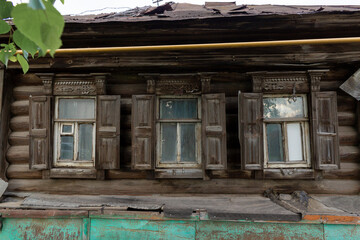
39 131
142 130
325 130
108 132
214 131
251 130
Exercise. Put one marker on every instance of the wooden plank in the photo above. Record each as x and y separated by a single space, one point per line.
346 171
182 186
348 136
346 118
288 174
22 213
22 171
349 154
73 173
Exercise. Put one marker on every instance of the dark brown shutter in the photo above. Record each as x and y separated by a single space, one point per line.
108 132
214 131
39 131
251 130
142 130
325 130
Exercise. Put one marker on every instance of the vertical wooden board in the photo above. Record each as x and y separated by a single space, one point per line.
255 231
141 229
39 131
108 132
325 130
341 231
214 131
142 130
31 228
251 130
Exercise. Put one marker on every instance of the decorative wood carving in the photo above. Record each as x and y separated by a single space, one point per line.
315 78
177 84
280 82
74 84
47 79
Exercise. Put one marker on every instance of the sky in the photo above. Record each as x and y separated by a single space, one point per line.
78 7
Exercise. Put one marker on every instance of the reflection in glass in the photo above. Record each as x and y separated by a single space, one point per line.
85 141
168 142
67 147
178 108
274 142
294 141
187 133
67 129
76 108
283 107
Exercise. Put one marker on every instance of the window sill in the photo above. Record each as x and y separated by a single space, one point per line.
78 173
178 173
293 173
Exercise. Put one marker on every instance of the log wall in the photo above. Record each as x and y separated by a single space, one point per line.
233 180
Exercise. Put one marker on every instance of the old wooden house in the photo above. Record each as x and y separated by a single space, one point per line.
190 111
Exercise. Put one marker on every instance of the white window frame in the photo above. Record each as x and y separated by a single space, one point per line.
58 123
305 136
197 122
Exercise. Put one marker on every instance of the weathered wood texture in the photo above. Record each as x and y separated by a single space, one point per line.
128 84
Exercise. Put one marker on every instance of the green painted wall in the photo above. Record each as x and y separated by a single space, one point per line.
120 228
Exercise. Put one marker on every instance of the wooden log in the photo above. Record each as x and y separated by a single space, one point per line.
22 171
346 171
27 79
23 92
19 138
125 174
346 118
19 123
181 186
20 107
348 136
230 173
126 90
346 103
18 155
349 154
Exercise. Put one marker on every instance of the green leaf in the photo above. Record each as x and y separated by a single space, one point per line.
4 27
5 9
36 4
40 20
6 52
62 1
24 43
13 59
23 63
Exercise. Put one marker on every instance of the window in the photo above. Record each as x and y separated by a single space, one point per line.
286 131
178 127
74 131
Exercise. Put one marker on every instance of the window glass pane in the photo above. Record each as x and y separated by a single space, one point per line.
67 147
283 107
67 129
274 142
294 141
168 142
188 141
85 141
76 108
178 108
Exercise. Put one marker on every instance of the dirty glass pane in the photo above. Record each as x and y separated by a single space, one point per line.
85 141
274 142
294 141
188 141
178 108
67 147
76 108
283 107
67 129
168 142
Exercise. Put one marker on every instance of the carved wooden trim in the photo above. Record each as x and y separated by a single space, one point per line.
315 78
287 82
177 84
74 84
47 79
